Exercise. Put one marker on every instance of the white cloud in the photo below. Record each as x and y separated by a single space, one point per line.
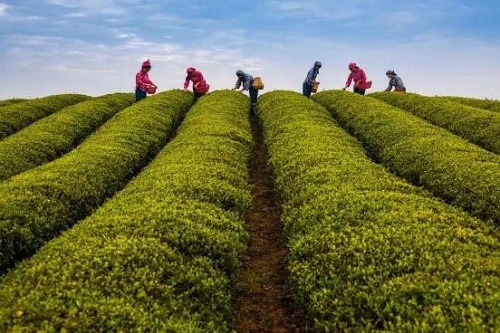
101 7
76 14
3 9
290 5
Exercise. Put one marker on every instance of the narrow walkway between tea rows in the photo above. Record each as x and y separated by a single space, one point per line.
264 301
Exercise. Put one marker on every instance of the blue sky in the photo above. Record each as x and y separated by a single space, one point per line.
96 46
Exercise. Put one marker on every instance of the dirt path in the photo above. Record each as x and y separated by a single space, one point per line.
263 295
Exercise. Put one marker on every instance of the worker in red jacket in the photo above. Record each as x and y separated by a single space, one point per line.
359 77
143 84
200 86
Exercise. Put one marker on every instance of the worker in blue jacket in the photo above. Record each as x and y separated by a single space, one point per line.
245 81
311 79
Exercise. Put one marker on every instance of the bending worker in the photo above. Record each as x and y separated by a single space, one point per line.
395 81
359 77
311 79
142 82
200 86
245 81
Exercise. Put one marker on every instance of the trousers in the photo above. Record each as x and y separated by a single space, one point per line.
139 94
306 89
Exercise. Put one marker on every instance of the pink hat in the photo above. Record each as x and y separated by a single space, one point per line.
352 65
146 63
191 69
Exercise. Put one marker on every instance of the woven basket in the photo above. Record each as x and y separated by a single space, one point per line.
201 87
257 83
315 87
151 90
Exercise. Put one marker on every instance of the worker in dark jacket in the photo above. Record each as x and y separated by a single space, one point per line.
245 81
311 79
395 81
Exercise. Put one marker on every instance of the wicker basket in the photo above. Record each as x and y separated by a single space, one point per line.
201 87
257 83
151 90
315 87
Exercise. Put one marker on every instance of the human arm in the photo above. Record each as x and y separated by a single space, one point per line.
238 84
146 80
186 83
143 82
389 87
310 79
348 82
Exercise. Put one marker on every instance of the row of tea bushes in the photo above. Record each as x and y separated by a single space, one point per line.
161 255
451 168
38 204
476 125
486 104
11 101
55 135
368 251
19 115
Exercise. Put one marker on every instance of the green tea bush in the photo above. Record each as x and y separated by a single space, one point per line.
368 251
19 115
161 255
7 102
38 204
486 104
451 168
476 125
55 135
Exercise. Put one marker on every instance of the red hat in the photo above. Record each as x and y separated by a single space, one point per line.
191 69
146 63
352 65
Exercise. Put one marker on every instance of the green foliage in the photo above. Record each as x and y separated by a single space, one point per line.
19 115
486 104
55 135
368 251
160 255
451 168
38 204
476 125
7 102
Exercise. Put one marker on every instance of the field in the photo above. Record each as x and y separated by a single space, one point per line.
339 213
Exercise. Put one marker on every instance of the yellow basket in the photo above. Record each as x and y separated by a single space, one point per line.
315 87
257 83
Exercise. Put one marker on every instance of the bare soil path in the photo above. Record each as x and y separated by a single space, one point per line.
264 302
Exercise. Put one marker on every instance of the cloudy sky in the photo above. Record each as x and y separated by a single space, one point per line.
439 47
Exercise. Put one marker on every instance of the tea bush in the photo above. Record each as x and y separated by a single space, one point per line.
55 135
161 255
19 115
38 204
368 251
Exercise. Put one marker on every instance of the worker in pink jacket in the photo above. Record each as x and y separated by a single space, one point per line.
359 77
143 84
200 86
